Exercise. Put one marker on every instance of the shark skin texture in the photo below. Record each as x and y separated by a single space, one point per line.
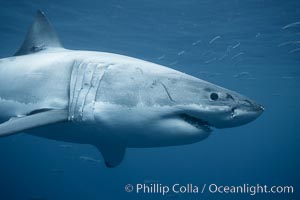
110 101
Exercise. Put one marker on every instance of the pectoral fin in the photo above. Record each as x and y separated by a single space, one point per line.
113 152
35 119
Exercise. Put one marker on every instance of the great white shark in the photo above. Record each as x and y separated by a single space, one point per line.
108 100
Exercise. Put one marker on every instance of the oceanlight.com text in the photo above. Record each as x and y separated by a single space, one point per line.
190 188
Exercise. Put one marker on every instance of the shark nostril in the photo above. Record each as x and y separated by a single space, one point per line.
248 102
228 96
254 105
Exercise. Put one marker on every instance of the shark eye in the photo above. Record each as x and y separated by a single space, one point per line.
214 96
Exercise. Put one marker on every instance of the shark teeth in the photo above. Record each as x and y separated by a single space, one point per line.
196 122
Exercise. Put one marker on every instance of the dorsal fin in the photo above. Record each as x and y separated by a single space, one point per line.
40 36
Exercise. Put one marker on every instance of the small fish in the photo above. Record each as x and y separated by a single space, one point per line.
214 39
237 55
243 75
161 57
174 63
257 35
196 42
236 46
180 53
211 60
290 25
222 57
90 159
288 42
294 50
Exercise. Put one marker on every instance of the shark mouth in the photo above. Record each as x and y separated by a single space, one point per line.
196 122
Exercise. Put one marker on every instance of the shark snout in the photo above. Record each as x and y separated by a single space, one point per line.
246 111
251 106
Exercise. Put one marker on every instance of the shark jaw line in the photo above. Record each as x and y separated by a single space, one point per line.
196 122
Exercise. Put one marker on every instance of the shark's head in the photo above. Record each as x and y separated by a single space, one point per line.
220 108
168 107
199 106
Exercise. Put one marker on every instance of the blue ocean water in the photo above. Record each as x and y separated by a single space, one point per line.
241 45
